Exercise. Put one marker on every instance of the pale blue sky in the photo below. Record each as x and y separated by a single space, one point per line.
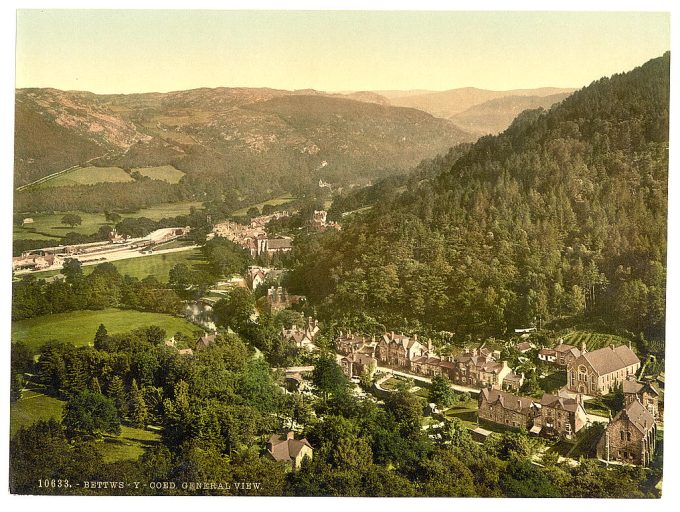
142 51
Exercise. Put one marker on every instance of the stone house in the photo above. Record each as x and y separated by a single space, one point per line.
278 299
630 437
600 371
206 340
644 393
565 353
399 350
356 363
513 381
285 448
524 346
547 354
479 368
560 415
347 343
506 409
302 337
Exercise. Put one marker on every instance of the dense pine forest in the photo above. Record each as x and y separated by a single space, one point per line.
562 215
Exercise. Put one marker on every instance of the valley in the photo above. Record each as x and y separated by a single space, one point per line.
365 274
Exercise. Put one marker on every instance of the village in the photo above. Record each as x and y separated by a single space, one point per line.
483 369
626 437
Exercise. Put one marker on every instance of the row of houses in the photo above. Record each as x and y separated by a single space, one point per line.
561 414
477 367
630 437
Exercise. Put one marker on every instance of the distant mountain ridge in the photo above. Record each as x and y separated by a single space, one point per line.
242 142
449 103
494 116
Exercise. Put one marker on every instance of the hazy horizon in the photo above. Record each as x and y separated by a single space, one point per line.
146 51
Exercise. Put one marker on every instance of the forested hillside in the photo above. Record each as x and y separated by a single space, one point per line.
563 214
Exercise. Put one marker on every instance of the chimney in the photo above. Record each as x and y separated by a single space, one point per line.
583 347
429 344
392 334
611 346
290 435
519 404
415 337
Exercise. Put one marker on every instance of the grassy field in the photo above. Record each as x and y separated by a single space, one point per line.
593 340
34 406
87 176
163 173
49 226
157 265
466 412
129 445
277 201
79 327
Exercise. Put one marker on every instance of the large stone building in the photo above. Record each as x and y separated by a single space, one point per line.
644 393
630 436
285 448
600 371
506 409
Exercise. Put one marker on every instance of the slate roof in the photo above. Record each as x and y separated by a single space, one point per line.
521 404
559 402
523 346
608 360
284 449
640 417
635 387
564 347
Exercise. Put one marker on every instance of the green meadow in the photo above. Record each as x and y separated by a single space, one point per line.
34 406
79 327
49 227
163 173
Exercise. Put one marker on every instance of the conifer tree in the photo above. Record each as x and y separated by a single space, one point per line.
117 393
139 412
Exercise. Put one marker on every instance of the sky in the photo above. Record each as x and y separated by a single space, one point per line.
124 51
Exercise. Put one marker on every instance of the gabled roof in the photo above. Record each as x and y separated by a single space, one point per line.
608 360
205 340
547 352
635 387
284 449
559 402
640 417
521 404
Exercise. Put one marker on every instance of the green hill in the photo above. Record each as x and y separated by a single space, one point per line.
563 214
